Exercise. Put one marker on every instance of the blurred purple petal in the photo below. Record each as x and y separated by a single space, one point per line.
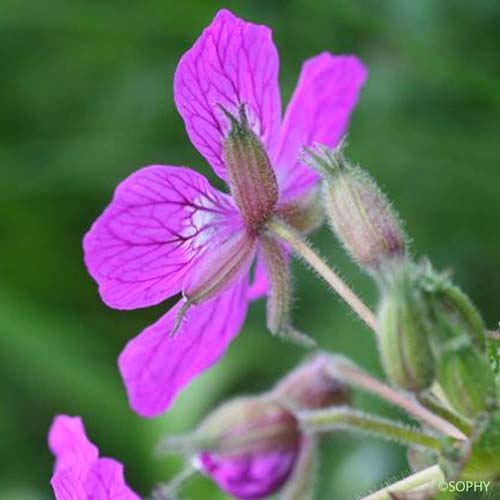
70 484
256 475
69 444
106 482
155 366
232 63
146 240
79 473
319 112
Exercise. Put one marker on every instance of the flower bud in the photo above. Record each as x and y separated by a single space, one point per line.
255 444
251 177
430 331
459 345
360 215
467 380
311 386
402 329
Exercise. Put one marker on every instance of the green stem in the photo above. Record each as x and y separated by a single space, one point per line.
331 419
167 491
351 374
302 248
432 404
427 477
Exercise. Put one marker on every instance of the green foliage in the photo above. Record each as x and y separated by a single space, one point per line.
87 98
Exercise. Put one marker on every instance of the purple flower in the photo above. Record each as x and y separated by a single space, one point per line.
252 475
168 231
254 446
79 472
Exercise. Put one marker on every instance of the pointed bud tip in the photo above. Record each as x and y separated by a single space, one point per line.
359 214
251 177
326 160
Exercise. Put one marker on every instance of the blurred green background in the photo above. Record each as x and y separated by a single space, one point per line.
86 99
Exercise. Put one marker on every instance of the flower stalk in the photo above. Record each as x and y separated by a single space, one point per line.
169 490
351 374
331 419
433 404
304 250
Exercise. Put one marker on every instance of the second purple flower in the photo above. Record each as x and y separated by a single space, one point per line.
168 231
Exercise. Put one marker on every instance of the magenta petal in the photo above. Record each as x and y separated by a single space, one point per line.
158 222
155 366
69 484
232 63
105 481
318 112
259 285
79 473
250 476
69 443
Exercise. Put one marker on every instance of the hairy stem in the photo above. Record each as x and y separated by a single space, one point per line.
427 477
351 374
168 491
434 405
302 248
336 418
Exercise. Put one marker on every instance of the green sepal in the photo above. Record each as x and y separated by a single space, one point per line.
402 330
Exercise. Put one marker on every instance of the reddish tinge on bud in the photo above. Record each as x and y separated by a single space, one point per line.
251 177
311 385
255 445
359 213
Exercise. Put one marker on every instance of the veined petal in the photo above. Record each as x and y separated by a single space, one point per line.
219 269
79 472
319 111
155 366
69 443
160 219
106 482
103 480
232 63
69 484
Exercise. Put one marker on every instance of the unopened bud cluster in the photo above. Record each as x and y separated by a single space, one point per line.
430 332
